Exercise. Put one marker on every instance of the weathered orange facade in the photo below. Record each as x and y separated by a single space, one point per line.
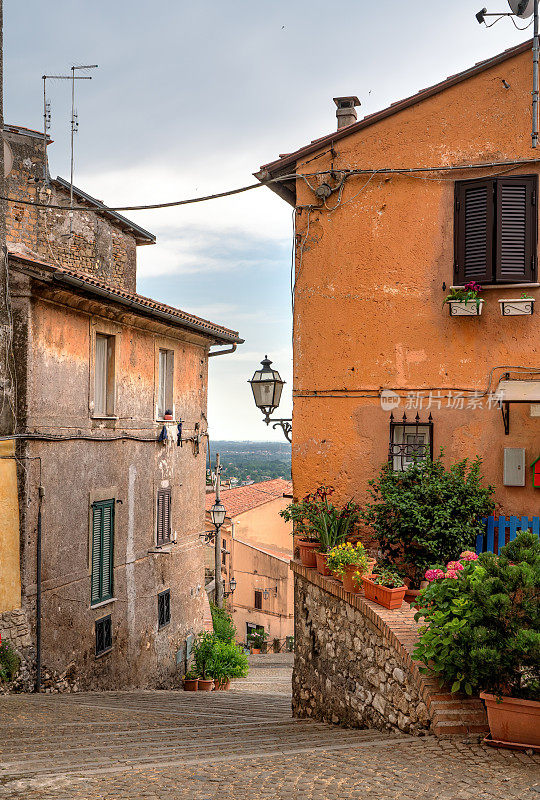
374 262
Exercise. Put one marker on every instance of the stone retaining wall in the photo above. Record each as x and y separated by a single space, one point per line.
345 669
15 629
353 665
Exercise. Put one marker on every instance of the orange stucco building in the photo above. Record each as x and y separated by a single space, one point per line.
256 551
376 253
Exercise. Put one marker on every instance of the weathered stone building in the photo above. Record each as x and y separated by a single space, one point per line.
119 479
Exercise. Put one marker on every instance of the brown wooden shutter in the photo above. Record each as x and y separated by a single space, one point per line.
515 251
163 516
474 220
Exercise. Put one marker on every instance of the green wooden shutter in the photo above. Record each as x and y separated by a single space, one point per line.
102 550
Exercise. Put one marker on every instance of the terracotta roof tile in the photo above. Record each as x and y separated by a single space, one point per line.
90 281
244 498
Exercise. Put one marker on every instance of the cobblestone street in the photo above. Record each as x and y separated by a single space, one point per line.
238 745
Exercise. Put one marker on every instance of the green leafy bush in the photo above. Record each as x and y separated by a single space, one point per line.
9 662
316 519
224 627
202 652
482 623
427 514
227 661
258 639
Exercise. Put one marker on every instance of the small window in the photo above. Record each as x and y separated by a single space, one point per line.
103 635
104 376
223 553
496 230
165 382
410 442
258 599
163 517
102 568
164 608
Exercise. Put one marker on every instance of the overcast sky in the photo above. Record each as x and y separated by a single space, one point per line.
190 98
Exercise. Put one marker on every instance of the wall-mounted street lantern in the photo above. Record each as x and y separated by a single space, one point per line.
232 587
217 514
267 386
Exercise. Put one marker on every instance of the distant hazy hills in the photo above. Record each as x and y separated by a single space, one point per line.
256 461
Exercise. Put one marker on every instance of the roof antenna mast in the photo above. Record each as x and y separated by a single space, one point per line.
523 9
47 115
74 129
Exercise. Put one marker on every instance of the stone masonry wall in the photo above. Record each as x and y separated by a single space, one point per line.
346 671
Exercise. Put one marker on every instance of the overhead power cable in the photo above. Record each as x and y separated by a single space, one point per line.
345 172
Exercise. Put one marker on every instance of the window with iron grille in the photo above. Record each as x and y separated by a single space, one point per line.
258 599
102 551
164 608
410 442
163 517
223 552
103 635
496 230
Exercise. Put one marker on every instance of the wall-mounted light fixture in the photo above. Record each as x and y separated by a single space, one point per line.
267 386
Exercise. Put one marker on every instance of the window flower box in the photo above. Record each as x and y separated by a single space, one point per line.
468 308
520 307
383 595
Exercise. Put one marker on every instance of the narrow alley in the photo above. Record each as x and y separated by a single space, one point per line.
237 745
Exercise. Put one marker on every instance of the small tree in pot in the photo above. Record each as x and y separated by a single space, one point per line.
202 656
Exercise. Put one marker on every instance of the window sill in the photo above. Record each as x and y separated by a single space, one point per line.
167 548
165 625
504 286
103 603
103 416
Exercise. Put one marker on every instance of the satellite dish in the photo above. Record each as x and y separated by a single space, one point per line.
522 8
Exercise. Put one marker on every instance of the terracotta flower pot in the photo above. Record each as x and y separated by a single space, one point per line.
223 684
412 594
191 684
349 583
513 720
206 685
370 565
255 651
307 552
389 598
321 563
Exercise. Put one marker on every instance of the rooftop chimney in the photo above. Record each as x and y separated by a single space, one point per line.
346 110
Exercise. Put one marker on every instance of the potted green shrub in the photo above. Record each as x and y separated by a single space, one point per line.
319 519
481 633
202 656
191 680
347 559
385 588
465 301
228 661
427 514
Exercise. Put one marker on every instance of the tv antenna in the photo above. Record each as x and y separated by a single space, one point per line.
74 129
47 113
523 9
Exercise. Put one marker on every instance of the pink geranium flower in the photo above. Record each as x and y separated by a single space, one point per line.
468 555
454 565
451 573
433 574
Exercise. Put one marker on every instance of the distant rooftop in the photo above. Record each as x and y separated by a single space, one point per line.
244 498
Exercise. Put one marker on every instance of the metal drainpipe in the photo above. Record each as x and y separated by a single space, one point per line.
223 352
41 493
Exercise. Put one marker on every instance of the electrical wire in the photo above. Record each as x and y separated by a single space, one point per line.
282 178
